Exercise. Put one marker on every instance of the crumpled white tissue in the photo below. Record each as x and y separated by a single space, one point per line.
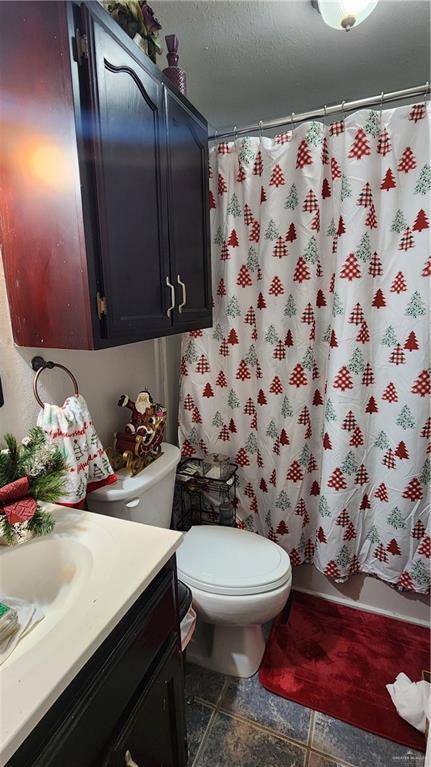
411 699
28 616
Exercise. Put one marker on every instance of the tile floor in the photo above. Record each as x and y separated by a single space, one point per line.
237 723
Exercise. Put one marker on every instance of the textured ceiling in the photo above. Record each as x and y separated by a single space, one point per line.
247 61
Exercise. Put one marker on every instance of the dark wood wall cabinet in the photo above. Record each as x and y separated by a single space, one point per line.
104 218
126 706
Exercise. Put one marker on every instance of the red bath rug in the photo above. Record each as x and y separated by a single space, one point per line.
338 660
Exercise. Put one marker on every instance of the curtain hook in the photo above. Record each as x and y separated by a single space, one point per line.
235 132
291 121
342 110
260 127
382 96
324 113
427 90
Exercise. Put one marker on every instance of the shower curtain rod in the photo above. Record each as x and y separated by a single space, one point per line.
345 106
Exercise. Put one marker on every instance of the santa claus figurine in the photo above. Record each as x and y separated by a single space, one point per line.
142 412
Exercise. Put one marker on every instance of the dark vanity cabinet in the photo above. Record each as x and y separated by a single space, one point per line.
126 706
105 230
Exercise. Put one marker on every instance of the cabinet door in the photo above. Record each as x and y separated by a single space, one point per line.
189 239
154 734
127 153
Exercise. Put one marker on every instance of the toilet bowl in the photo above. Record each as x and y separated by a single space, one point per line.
239 580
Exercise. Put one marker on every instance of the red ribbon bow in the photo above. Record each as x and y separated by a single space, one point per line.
22 507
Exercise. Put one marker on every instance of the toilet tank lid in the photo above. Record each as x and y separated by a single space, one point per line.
128 487
225 560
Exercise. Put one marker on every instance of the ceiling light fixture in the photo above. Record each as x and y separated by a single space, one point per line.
344 14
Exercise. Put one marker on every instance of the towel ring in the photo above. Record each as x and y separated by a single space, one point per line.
39 365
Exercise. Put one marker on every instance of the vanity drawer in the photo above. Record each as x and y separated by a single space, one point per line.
80 726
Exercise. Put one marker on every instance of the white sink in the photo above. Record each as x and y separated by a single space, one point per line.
85 576
49 572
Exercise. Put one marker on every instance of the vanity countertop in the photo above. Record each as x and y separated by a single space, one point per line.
86 575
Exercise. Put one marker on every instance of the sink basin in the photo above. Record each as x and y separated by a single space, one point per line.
85 576
49 572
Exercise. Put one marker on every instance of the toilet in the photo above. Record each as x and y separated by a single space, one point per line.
239 580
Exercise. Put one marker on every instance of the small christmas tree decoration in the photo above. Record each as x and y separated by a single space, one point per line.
233 207
398 357
401 452
301 273
295 473
399 284
326 189
421 221
364 248
373 124
350 270
30 473
271 232
258 164
418 112
324 154
388 181
384 144
375 268
255 232
422 385
224 253
246 153
337 481
310 202
221 185
416 306
371 220
407 161
363 336
332 570
244 279
379 300
390 393
360 147
298 377
405 418
395 519
413 492
241 175
277 177
280 249
292 198
341 229
232 308
208 391
366 197
425 547
423 184
303 156
407 240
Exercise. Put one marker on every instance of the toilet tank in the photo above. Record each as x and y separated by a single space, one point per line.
145 498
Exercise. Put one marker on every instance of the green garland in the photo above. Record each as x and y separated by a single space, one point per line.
45 466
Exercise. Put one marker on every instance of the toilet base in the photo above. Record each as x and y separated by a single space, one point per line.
233 650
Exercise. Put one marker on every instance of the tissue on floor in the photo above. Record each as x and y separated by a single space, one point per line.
411 699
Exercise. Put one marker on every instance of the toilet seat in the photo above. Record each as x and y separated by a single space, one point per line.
225 560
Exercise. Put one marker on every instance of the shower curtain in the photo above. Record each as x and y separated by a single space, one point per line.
315 378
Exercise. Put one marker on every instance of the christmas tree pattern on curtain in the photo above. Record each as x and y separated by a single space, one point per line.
315 377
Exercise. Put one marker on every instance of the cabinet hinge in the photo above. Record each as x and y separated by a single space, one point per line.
102 306
81 46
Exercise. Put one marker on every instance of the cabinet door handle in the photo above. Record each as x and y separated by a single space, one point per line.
171 308
180 282
128 761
